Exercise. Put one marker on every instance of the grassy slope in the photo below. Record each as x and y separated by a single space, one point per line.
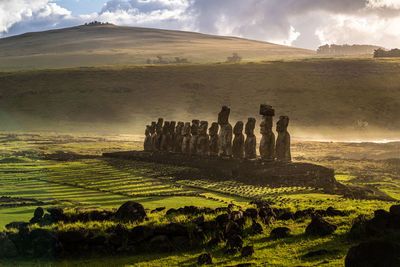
111 45
323 97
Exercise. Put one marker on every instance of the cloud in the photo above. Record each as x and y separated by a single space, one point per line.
304 23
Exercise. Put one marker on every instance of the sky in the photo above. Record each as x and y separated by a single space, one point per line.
300 23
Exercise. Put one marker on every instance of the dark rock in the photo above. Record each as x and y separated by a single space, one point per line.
43 242
171 211
358 229
140 233
158 209
381 213
222 220
256 228
7 247
316 253
334 212
236 215
214 242
57 214
374 254
286 216
280 232
160 243
131 211
172 229
199 220
204 259
251 213
232 229
247 251
395 210
235 242
38 213
17 225
320 227
72 240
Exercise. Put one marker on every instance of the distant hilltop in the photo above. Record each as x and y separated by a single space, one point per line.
101 43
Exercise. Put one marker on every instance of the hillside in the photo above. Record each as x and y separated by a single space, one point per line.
115 45
340 98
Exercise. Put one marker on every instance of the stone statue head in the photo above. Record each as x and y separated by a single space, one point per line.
238 129
267 110
250 125
153 127
179 128
223 115
165 129
203 127
213 131
172 125
282 124
147 131
159 125
266 125
195 127
186 129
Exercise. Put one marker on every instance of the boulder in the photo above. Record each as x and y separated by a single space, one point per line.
160 243
374 254
320 227
247 251
395 210
17 225
131 211
7 247
255 228
280 232
251 213
235 242
204 259
43 242
38 213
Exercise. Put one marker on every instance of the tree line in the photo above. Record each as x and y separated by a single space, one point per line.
387 53
347 49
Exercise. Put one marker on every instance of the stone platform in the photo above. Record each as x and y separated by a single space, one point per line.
255 172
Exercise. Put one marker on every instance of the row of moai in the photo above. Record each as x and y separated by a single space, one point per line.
193 139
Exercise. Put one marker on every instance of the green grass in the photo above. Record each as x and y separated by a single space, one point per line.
107 183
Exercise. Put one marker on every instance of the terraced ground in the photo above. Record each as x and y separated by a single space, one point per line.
86 180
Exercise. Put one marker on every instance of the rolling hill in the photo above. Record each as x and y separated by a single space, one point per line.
325 98
95 45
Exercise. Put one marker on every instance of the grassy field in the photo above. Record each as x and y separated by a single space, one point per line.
115 45
326 99
106 183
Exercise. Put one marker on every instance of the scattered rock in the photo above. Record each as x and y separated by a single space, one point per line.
17 225
7 247
131 211
235 242
320 227
247 251
204 259
280 232
395 210
374 254
256 228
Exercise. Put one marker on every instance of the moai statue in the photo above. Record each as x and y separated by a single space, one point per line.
238 141
147 140
152 134
203 139
172 136
195 136
267 144
186 138
156 140
225 133
213 145
283 140
251 141
178 137
165 137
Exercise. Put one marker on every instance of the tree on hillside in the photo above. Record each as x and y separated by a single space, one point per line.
235 58
387 53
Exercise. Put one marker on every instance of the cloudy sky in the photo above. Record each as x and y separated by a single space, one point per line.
301 23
